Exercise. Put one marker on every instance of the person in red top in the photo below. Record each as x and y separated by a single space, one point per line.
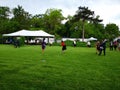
63 45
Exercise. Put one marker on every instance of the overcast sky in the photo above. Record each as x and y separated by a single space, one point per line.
108 10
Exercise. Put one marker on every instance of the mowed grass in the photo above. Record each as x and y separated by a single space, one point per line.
26 68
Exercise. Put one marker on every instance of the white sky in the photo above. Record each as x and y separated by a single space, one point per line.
108 10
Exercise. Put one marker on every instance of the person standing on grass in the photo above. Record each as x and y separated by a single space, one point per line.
119 46
111 45
43 45
88 44
97 47
63 46
102 47
74 43
115 45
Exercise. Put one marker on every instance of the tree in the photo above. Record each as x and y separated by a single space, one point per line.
4 13
37 21
67 31
111 31
22 17
94 30
4 18
52 20
85 14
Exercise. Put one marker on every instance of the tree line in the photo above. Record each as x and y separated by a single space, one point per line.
83 24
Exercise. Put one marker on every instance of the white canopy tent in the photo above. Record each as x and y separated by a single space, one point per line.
117 38
38 33
92 39
28 33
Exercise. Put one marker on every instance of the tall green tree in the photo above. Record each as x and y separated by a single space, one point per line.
111 31
94 30
37 21
85 14
4 19
52 20
22 17
4 13
67 31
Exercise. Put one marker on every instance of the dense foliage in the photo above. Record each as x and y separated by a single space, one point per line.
51 22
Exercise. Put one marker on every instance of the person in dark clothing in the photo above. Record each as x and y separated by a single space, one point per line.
16 43
43 45
115 45
102 47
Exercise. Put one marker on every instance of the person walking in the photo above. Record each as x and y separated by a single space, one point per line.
103 47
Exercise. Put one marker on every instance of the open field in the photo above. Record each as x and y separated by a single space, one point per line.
26 68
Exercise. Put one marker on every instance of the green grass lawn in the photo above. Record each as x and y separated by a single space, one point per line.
26 68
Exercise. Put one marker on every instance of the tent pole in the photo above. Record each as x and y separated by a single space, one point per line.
48 39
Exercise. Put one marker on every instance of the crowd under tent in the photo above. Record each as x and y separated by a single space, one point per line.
27 33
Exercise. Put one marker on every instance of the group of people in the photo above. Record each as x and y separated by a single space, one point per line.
14 41
114 45
101 47
43 44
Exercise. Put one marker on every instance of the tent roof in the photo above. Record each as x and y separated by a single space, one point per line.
39 33
92 38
